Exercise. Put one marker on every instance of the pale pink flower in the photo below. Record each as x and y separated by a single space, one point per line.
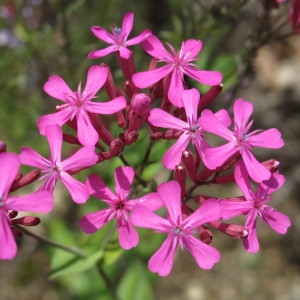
179 230
55 168
178 64
240 140
119 206
39 202
79 104
118 40
191 129
255 205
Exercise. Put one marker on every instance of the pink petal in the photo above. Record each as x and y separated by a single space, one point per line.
94 221
170 193
87 134
191 47
270 138
128 236
243 181
78 190
8 249
84 157
173 156
190 100
176 88
161 118
102 34
58 118
275 182
148 78
223 116
142 217
127 24
233 208
242 112
123 177
57 88
107 108
96 78
205 77
102 52
256 170
30 157
209 211
98 189
39 202
205 255
250 242
125 53
276 220
161 261
140 38
9 168
215 157
153 46
152 201
210 123
54 137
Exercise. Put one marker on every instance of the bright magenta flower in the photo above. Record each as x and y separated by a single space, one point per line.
179 230
40 202
79 104
255 205
118 40
240 140
55 168
119 206
178 64
191 129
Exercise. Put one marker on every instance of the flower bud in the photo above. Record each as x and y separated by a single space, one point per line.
140 104
180 176
233 230
205 234
210 96
2 147
189 162
26 221
26 179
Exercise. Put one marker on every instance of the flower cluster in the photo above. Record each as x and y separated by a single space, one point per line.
169 110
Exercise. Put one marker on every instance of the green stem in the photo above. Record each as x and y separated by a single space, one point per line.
52 243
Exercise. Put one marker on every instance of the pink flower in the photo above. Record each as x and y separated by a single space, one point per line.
255 205
55 168
239 140
78 104
191 129
118 40
179 230
40 202
119 206
178 64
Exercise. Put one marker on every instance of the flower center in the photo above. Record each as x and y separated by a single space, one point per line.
177 231
1 201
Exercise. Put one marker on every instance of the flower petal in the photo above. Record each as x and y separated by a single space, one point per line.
123 177
102 34
39 202
124 52
276 220
152 201
173 156
161 118
270 138
210 78
8 249
191 48
57 88
9 168
92 222
148 78
233 208
96 78
128 236
87 134
205 255
127 24
78 190
140 38
169 193
250 242
30 157
161 261
107 108
176 88
54 137
242 112
190 100
102 52
142 217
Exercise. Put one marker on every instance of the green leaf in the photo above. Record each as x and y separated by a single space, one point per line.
75 265
135 285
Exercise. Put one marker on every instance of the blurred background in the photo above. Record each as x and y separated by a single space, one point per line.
250 42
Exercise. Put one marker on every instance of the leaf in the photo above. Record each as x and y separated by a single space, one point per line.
135 285
75 265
